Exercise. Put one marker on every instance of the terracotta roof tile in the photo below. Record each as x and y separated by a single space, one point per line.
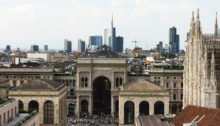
211 116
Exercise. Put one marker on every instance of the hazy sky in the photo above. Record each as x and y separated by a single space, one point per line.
27 22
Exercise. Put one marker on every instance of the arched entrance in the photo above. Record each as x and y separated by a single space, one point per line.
84 106
159 107
20 106
49 112
129 112
144 108
101 96
71 109
33 105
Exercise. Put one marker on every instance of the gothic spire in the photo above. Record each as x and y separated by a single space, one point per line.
216 25
197 27
192 25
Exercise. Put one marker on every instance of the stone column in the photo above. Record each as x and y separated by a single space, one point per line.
136 109
25 103
77 106
121 112
166 106
90 104
112 106
151 107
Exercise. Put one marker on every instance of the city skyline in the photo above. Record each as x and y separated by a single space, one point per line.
25 23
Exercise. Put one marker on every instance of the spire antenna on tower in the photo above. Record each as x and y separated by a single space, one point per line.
216 25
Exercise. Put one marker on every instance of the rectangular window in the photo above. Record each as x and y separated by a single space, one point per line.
181 96
174 85
167 85
181 84
174 96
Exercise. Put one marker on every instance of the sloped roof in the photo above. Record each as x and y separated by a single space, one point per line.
154 120
34 85
208 116
142 85
103 52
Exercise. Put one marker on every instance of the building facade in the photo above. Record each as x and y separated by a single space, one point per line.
99 77
173 40
34 48
140 97
201 68
46 96
172 81
67 46
119 44
81 46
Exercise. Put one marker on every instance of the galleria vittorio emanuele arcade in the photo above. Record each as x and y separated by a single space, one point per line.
102 86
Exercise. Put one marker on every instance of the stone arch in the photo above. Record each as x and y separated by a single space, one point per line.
84 106
20 105
48 112
101 95
129 112
143 108
33 105
159 107
71 109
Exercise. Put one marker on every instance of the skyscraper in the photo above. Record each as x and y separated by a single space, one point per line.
81 46
34 48
95 40
106 37
112 39
173 41
8 48
119 44
45 47
67 46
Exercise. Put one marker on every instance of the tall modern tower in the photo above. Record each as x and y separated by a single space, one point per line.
173 41
67 46
34 48
119 44
112 42
106 37
45 47
81 46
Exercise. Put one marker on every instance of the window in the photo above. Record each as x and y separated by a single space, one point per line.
181 96
181 84
181 77
155 77
174 85
167 85
174 78
48 112
174 96
167 77
158 77
84 82
118 81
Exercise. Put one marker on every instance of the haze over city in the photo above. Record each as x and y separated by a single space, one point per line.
25 22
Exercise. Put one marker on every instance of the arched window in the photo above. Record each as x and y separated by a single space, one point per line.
20 106
82 81
117 82
71 109
49 112
74 83
144 108
159 107
84 106
72 92
33 105
86 82
129 112
120 81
